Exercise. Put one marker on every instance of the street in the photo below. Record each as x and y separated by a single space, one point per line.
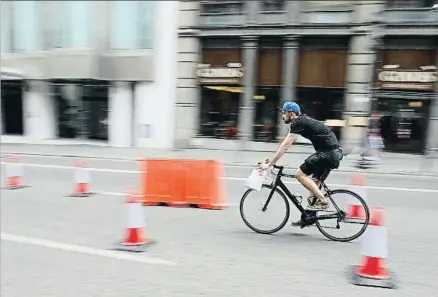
54 245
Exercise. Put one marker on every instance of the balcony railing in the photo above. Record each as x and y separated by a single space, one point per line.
409 16
271 17
327 17
222 13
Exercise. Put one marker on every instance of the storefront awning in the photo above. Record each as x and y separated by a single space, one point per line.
233 90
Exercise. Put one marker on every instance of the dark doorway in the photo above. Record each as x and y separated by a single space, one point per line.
82 109
95 101
12 107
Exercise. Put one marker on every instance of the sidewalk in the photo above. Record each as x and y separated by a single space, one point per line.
390 163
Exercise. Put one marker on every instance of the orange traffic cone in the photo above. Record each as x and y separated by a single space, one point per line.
136 234
372 272
14 173
82 180
355 209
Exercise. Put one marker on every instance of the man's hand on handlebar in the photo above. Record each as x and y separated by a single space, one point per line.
263 166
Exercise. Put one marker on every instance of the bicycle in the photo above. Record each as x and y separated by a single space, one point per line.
308 217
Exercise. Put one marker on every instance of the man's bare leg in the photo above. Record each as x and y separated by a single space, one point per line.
311 202
310 185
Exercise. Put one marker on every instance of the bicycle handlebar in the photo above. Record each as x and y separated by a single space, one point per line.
280 168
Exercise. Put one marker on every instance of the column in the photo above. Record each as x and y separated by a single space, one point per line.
39 111
293 10
188 93
290 76
360 81
246 114
252 9
120 114
1 117
432 140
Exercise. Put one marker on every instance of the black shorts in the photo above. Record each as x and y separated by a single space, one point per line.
321 163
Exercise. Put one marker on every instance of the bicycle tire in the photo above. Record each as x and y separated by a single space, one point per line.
248 224
361 231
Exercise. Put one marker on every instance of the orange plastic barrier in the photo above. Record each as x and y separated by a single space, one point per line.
163 182
178 183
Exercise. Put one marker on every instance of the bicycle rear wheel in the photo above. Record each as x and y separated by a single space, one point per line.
278 208
353 216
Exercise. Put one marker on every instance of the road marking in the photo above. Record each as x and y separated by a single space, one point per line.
234 178
29 155
124 194
73 168
83 249
112 193
347 186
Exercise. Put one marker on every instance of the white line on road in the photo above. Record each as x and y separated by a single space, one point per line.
111 193
234 178
82 249
332 186
69 157
72 168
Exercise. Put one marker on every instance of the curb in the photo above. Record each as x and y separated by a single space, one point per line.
350 170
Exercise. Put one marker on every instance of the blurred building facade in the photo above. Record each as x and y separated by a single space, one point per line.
89 71
352 62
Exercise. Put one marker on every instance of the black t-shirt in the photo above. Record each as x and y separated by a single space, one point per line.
320 135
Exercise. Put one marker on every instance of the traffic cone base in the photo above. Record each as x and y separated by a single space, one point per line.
14 183
356 212
373 268
135 236
360 280
82 190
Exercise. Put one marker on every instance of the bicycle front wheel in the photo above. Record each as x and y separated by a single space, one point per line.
353 216
266 221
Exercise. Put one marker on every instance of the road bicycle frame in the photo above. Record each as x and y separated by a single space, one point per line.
308 216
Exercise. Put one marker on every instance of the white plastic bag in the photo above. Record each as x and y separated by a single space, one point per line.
256 179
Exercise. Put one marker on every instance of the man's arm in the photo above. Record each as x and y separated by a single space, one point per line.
284 146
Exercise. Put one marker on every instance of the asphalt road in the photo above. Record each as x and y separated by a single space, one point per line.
53 245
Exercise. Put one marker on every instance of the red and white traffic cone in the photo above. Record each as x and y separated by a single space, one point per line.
82 180
136 233
14 173
372 272
355 209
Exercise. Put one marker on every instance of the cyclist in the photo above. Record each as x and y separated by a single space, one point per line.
328 153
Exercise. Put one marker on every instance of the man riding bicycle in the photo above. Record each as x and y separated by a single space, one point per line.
328 153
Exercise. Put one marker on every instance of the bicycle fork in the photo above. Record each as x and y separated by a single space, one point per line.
269 199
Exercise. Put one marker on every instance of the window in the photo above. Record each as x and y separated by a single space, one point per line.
330 5
273 5
222 7
73 24
27 25
132 25
410 3
5 28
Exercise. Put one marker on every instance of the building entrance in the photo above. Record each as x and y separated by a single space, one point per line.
82 109
12 107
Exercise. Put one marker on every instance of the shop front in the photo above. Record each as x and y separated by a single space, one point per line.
12 115
220 79
81 108
406 88
268 92
321 82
